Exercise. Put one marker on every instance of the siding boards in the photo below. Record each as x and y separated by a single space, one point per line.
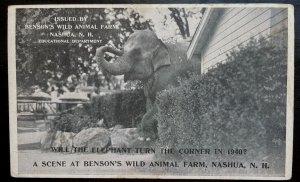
229 22
237 26
241 27
261 29
228 15
279 28
222 59
277 17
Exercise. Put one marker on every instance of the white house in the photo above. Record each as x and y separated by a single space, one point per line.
223 29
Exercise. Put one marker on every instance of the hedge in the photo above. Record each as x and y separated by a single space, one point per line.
241 103
125 108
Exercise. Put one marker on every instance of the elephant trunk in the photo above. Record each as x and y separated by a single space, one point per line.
121 66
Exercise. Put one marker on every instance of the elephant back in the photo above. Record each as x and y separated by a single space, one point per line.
180 66
178 53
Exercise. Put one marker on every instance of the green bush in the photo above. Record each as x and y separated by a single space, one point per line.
241 103
123 107
74 122
75 119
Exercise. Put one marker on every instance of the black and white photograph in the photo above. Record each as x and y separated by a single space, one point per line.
175 91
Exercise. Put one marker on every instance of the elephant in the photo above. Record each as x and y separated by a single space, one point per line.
157 65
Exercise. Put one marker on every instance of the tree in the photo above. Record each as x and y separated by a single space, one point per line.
37 63
64 65
181 21
181 18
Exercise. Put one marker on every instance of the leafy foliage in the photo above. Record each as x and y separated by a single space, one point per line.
125 108
39 64
238 104
73 122
64 64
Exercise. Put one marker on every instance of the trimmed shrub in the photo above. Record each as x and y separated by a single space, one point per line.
74 120
241 103
122 107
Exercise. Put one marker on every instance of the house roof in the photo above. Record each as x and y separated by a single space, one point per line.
37 96
74 96
201 36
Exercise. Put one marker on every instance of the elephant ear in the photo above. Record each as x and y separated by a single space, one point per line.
161 56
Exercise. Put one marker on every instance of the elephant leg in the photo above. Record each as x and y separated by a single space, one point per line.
149 124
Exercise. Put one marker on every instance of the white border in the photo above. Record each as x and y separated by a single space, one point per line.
12 91
13 99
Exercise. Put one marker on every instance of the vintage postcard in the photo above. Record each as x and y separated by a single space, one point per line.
181 91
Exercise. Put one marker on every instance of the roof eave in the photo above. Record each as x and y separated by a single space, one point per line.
203 30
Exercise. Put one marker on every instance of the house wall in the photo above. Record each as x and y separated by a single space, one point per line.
236 26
